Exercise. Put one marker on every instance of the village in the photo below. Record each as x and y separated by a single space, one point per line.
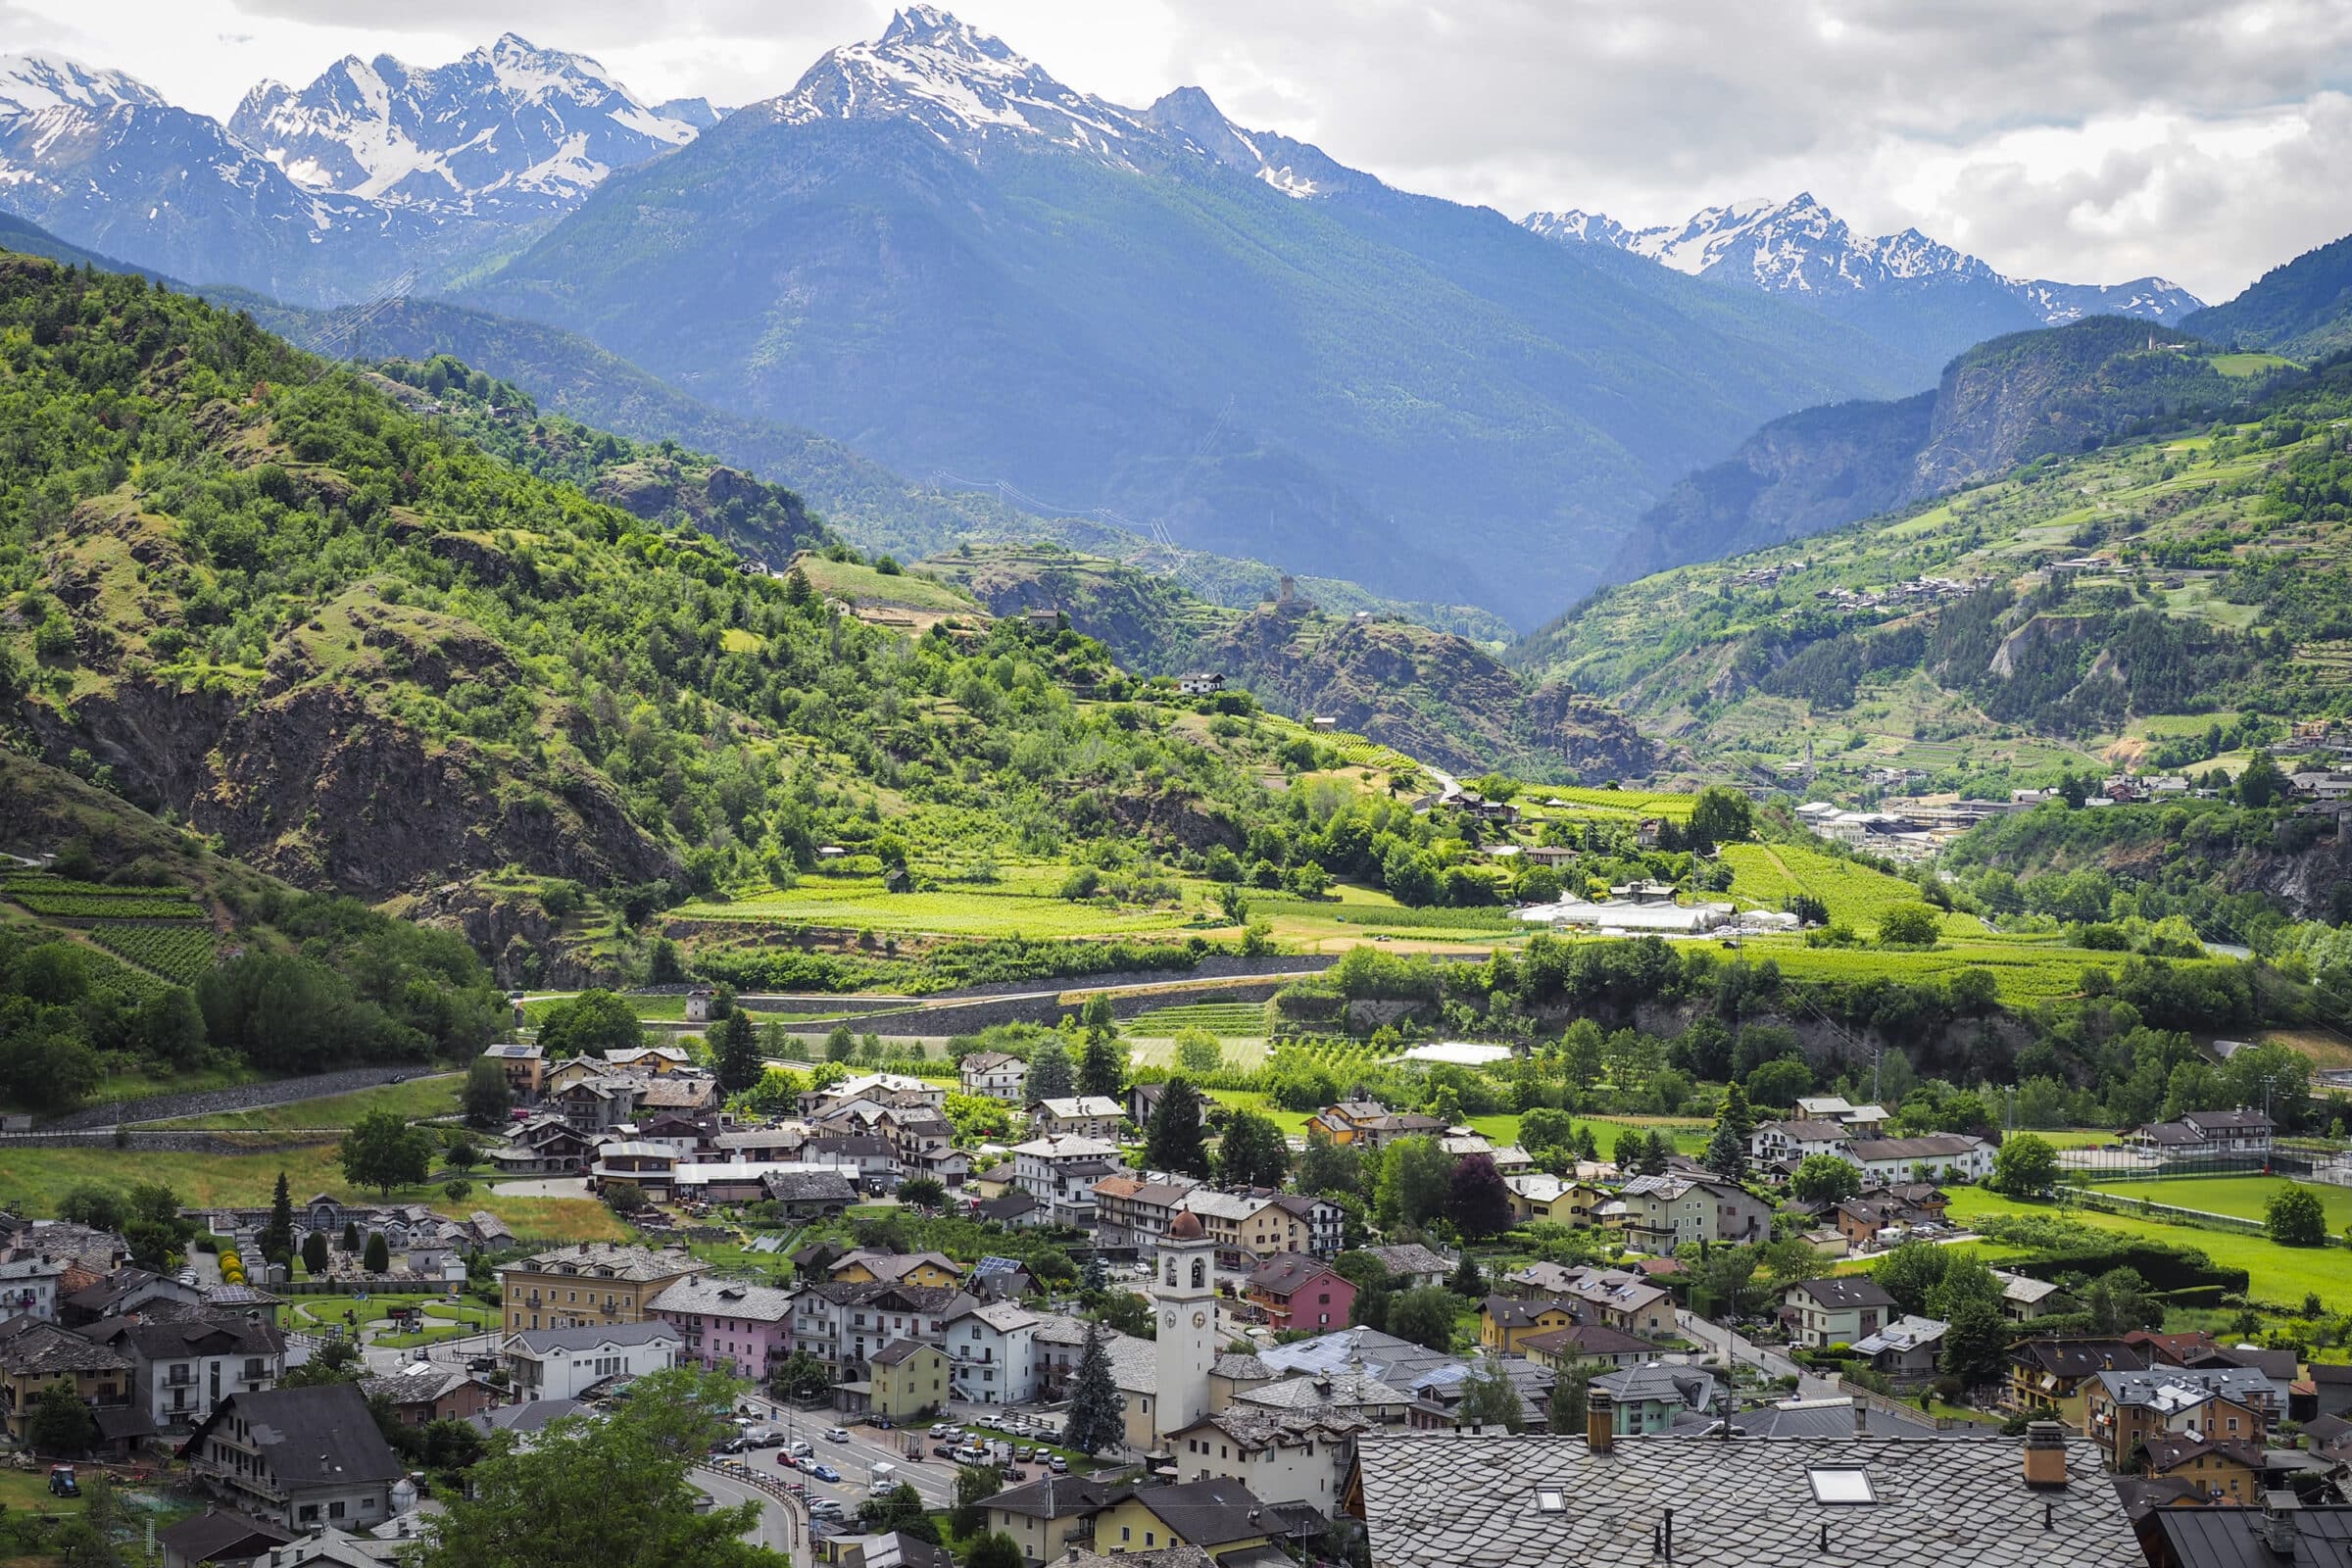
1108 1359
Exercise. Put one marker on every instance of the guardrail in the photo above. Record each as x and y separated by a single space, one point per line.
795 1502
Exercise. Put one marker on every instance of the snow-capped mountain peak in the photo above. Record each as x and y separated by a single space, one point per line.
964 86
37 80
509 124
1800 247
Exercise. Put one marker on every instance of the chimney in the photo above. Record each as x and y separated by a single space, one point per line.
2279 1509
1600 1420
2045 1456
1861 1418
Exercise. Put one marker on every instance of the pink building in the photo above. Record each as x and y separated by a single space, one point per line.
728 1325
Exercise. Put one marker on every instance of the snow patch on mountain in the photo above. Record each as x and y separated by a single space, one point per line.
34 81
508 125
1800 247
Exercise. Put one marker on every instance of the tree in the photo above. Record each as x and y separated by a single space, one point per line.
1253 1153
1723 1282
613 1492
1425 1315
99 1207
1051 1076
900 1511
1911 1272
2295 1217
1102 1064
923 1191
1467 1281
1727 1149
1092 1280
1197 1051
735 1047
489 1097
1721 816
1415 1175
338 1360
1095 1422
379 1256
1370 1277
1825 1179
1328 1167
1976 1341
2025 1165
1569 1402
59 1424
1632 1145
1909 925
277 1238
1476 1198
975 1483
456 1189
1490 1399
995 1549
313 1254
2120 1300
1173 1140
2262 782
841 1044
1658 1153
1778 1082
589 1025
351 1236
801 1376
383 1152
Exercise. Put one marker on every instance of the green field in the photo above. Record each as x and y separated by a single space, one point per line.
1241 1056
2241 1196
1227 1020
32 1180
1766 875
416 1098
2281 1274
862 903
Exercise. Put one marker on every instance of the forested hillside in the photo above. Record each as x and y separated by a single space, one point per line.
2165 599
1427 694
2002 402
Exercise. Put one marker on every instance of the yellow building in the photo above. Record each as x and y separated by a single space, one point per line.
1217 1516
910 1382
894 1268
1503 1322
2226 1471
40 1355
592 1284
1046 1517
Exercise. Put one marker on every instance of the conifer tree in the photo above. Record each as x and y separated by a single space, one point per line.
1095 1422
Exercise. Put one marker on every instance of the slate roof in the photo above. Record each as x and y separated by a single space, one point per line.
1232 1364
528 1416
1473 1502
1056 1497
1939 1146
207 1536
1209 1514
1509 1312
718 1298
1345 1390
2079 1358
309 1437
42 1348
898 1351
1841 1292
1661 1385
808 1187
1383 1355
2176 1387
1586 1339
1011 1206
2231 1538
418 1383
1822 1418
545 1342
608 1260
1412 1258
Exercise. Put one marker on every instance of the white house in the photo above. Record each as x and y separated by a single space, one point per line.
992 1353
1077 1116
994 1075
1893 1159
564 1364
181 1368
1776 1141
1277 1457
1060 1173
29 1286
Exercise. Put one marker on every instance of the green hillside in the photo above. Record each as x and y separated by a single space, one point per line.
2164 600
1427 694
2302 309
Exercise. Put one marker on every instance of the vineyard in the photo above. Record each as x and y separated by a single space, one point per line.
1767 874
178 952
1630 803
62 900
1227 1020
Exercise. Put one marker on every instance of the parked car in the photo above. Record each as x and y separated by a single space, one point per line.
825 1472
827 1508
1058 1465
1015 1476
940 1431
734 1444
762 1437
784 1457
836 1435
1023 1454
799 1448
945 1451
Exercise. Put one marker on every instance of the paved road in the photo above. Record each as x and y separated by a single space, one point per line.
779 1528
1770 1363
933 1477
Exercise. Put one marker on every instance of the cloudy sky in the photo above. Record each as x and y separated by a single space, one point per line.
2082 140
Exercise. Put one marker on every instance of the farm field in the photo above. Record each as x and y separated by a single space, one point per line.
181 951
1241 1056
2023 973
416 1098
862 903
32 1180
1227 1020
2282 1274
2244 1197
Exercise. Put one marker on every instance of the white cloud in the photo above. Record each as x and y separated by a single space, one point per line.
2090 141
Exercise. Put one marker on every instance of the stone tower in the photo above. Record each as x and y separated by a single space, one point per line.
1184 1290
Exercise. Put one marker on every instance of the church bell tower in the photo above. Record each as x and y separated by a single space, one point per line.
1184 1293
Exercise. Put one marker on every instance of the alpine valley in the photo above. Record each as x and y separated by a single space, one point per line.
922 690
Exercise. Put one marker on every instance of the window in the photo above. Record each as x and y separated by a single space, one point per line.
1843 1486
1551 1499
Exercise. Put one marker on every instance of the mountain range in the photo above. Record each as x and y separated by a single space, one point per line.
931 254
1906 287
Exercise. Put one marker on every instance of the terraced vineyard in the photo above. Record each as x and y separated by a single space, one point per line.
1227 1020
180 950
1767 874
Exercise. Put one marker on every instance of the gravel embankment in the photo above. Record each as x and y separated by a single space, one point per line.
244 1097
